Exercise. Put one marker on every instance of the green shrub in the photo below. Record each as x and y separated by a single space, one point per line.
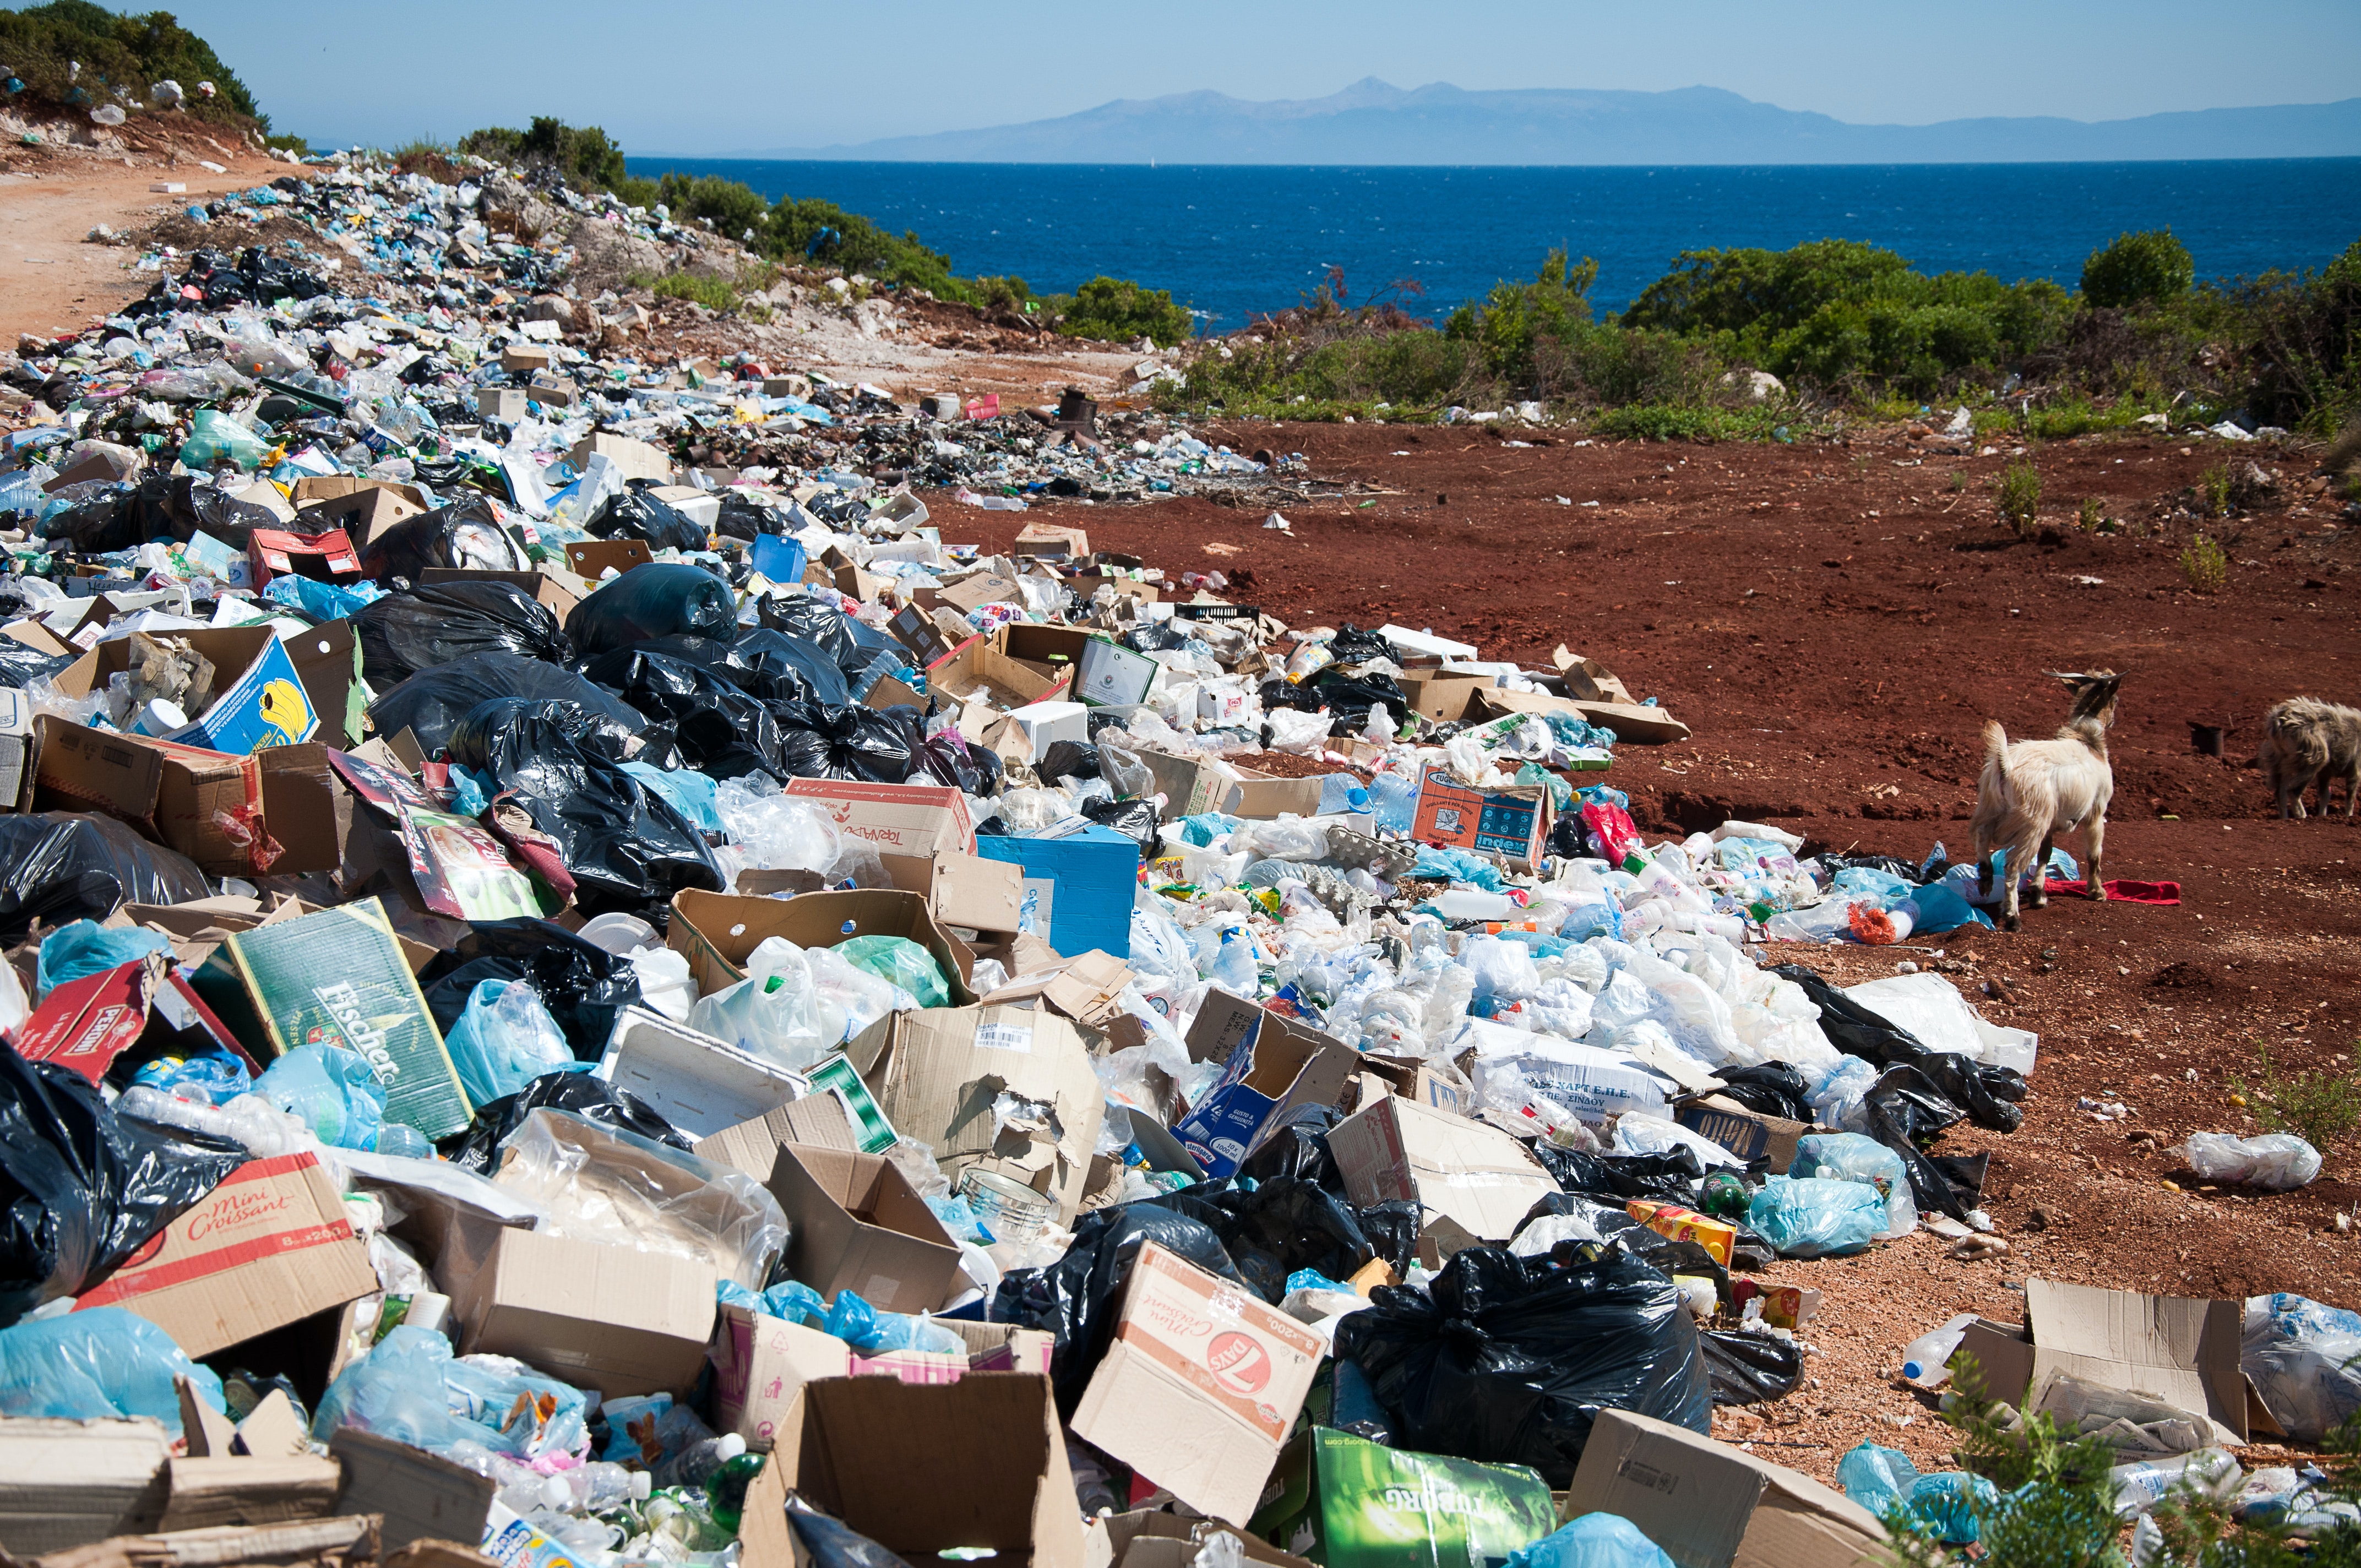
713 293
2150 267
2019 498
2214 491
2204 565
585 155
2319 1106
2092 515
1516 319
733 208
1118 310
1002 293
42 44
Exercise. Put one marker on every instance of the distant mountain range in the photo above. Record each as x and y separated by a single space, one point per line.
1372 122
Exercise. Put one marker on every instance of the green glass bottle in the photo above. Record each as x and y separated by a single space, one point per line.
725 1489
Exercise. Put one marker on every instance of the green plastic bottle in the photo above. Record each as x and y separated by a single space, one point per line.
1724 1196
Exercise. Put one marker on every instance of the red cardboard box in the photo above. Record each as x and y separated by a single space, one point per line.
86 1024
324 557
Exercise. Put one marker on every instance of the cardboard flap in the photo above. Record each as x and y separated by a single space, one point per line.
2180 1349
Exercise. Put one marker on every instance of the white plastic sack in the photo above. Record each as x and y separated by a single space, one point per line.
1594 1084
1931 1007
1298 733
774 1012
1638 1132
2277 1162
2301 1355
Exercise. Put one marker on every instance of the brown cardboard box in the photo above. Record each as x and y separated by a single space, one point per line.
1085 989
589 558
610 1318
966 890
362 512
1588 680
1630 721
327 661
177 795
895 818
267 1248
558 591
981 675
1154 1539
979 1462
922 635
1436 1084
818 1120
422 1495
65 1483
1260 797
637 459
856 1224
936 1072
716 931
1470 1173
1048 542
1286 1064
1443 698
1708 1505
976 591
1055 651
1747 1133
522 358
1190 785
2178 1349
1201 1385
761 1366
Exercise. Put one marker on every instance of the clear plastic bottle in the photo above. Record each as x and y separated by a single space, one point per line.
1393 799
1234 967
692 1465
595 1487
1923 1358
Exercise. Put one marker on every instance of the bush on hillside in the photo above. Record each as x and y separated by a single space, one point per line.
2147 269
117 54
1119 311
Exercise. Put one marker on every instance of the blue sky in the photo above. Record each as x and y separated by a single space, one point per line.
697 76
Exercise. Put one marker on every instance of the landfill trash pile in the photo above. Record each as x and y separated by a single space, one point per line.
591 1007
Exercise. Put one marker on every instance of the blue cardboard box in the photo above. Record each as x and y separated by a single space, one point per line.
1274 1064
1077 887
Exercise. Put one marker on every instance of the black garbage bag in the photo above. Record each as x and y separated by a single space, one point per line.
832 1543
950 760
1888 865
1774 1089
635 514
431 702
1075 1297
57 866
1665 1176
1565 840
1134 818
592 1099
743 517
194 507
717 729
1155 637
101 518
1989 1094
1355 646
852 645
872 744
1349 698
1751 1369
462 532
1067 760
20 666
1279 1227
581 983
1508 1360
627 848
404 633
81 1188
1297 1147
1903 1110
662 599
765 665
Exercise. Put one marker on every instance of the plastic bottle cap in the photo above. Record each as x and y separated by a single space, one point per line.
733 1445
1912 1371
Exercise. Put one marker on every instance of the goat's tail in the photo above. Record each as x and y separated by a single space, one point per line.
1995 746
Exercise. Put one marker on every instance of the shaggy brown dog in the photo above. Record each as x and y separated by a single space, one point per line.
2308 741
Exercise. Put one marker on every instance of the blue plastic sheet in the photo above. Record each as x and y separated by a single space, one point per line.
1814 1218
504 1039
93 1364
85 947
1594 1540
331 1090
408 1388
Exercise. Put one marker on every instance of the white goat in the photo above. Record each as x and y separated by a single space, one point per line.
2034 790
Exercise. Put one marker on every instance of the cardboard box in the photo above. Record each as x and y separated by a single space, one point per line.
1708 1505
340 976
1512 824
1434 1084
1747 1133
1633 722
2178 1349
978 1463
936 1071
1470 1173
611 1318
328 661
551 391
503 405
636 459
1052 651
258 699
525 357
17 746
143 1008
183 796
591 558
1190 785
895 818
1077 887
1201 1385
422 1495
965 891
856 1224
362 509
700 1084
267 1248
978 672
1346 1502
916 630
818 1119
1111 676
1443 698
1261 797
1047 541
716 931
559 592
1274 1064
1682 1225
68 1483
324 557
1043 724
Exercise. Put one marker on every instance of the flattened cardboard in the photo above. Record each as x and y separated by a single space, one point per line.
855 1224
1708 1505
635 459
1200 1387
989 1449
610 1318
65 1483
267 1248
700 1084
936 1072
590 558
422 1495
2181 1350
895 818
1468 1172
717 931
207 1493
1588 680
1630 721
1511 823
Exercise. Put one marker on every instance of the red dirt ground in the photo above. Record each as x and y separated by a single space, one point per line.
1835 622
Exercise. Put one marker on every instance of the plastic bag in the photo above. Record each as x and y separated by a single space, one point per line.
772 831
466 533
98 1363
401 634
57 866
2276 1162
581 984
774 1012
766 664
579 1094
82 1187
662 599
1594 1540
410 1388
1849 1156
897 961
1750 1369
332 1090
504 1040
215 437
1508 1359
85 949
431 702
851 646
1302 734
600 1184
2304 1358
1816 1218
852 742
635 514
721 731
1288 1225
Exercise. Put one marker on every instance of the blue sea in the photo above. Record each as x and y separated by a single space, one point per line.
1232 241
